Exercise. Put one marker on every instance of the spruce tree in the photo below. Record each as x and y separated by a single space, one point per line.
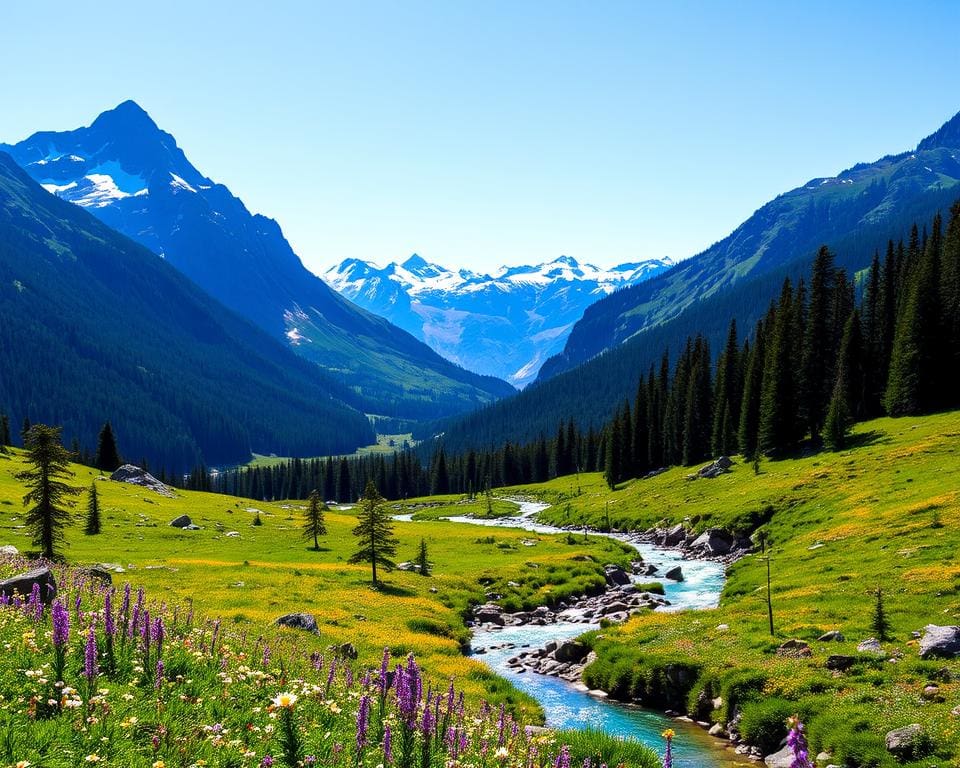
847 400
4 431
440 481
752 389
315 523
48 492
92 527
423 561
344 490
777 431
613 466
108 458
726 400
374 532
818 343
878 621
698 410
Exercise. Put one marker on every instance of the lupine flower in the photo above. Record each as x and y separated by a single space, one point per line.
363 722
90 668
563 759
158 675
36 602
109 625
384 672
668 753
387 743
798 744
61 625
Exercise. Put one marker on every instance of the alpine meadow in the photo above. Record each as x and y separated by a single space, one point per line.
478 423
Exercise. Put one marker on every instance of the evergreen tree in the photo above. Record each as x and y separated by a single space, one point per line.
48 493
423 560
440 481
847 400
878 621
727 394
613 466
752 388
92 527
818 342
698 408
374 532
315 523
4 431
108 458
777 430
344 491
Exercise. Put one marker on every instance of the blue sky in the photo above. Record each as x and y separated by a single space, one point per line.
484 133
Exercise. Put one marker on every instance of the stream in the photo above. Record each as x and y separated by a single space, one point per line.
568 706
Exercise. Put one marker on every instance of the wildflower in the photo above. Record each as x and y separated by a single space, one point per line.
363 722
563 759
285 700
92 758
668 753
387 743
90 667
798 744
502 753
159 764
61 625
23 764
267 762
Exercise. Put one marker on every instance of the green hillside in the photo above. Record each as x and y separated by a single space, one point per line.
885 513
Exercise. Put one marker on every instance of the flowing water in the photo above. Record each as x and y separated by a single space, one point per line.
567 706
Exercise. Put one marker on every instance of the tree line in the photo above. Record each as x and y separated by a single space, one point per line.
833 349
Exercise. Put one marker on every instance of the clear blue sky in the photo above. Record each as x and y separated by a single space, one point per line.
483 133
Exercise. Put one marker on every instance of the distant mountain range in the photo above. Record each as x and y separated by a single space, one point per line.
505 324
134 177
94 327
856 202
620 336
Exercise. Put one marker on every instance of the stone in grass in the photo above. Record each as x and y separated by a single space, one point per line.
871 645
306 622
905 742
782 759
8 550
794 649
833 636
940 642
181 522
22 584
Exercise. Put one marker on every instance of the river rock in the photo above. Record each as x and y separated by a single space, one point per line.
782 759
615 575
183 521
903 742
306 622
489 614
570 651
673 536
939 642
674 574
713 541
22 584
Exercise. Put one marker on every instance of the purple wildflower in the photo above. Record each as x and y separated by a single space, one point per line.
668 753
61 625
90 668
363 722
387 743
36 602
798 744
384 672
158 677
109 625
563 759
267 761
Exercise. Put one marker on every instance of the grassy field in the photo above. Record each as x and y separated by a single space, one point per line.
386 445
885 513
268 570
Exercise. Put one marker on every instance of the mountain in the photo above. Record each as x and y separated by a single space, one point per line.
860 200
505 324
95 327
623 334
130 174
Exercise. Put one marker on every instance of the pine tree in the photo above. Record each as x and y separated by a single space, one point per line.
752 389
818 343
777 430
440 481
423 561
878 621
374 532
847 400
48 493
92 527
698 409
727 392
613 466
315 523
4 432
344 491
108 458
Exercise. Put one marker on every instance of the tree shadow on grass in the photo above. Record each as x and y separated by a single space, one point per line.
393 590
864 439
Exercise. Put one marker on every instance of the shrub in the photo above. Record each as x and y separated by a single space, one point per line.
603 749
764 722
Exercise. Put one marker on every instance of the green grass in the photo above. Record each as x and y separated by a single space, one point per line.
386 444
268 570
437 507
884 513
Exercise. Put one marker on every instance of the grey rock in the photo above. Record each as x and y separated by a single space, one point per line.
794 649
674 574
616 576
833 636
306 622
871 645
22 584
8 550
345 650
571 651
673 536
179 522
782 759
903 742
129 473
939 642
714 541
100 573
839 663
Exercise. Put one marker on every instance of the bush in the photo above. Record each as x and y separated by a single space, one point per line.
603 749
764 722
654 587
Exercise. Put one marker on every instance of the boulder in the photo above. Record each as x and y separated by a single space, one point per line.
489 614
179 522
839 663
674 574
794 649
616 576
673 536
345 651
303 621
904 742
571 651
871 645
22 584
100 573
724 462
833 636
714 541
129 473
782 759
939 642
8 550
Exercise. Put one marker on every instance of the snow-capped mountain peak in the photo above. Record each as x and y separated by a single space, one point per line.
505 323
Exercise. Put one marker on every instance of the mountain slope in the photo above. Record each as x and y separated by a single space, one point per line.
505 324
789 227
134 177
95 327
